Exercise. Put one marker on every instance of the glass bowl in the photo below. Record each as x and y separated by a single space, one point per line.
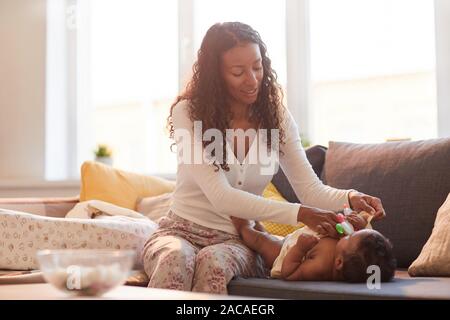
85 272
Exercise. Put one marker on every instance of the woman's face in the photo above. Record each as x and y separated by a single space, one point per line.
243 72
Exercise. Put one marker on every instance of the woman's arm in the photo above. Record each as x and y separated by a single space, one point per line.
308 187
304 181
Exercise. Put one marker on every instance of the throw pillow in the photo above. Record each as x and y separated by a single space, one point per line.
155 207
96 208
279 229
316 157
102 182
434 260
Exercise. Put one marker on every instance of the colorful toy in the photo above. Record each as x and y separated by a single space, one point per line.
344 227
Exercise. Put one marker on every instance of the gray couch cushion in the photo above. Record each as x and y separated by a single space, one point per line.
402 287
411 178
316 156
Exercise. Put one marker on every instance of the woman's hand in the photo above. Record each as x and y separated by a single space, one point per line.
363 202
356 221
322 221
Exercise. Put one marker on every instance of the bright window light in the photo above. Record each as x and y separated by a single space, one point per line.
372 70
134 69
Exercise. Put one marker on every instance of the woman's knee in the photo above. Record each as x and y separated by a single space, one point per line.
169 252
208 256
169 263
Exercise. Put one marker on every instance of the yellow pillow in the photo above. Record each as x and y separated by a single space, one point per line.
101 182
270 192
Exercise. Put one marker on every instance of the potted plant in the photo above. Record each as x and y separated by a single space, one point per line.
305 141
103 154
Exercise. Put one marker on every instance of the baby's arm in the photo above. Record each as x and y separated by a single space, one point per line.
295 265
265 244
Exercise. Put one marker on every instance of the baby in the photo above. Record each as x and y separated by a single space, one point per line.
302 255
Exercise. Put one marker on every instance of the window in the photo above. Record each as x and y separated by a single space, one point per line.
372 70
134 74
134 80
126 62
356 70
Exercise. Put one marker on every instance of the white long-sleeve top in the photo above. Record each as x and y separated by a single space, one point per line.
209 197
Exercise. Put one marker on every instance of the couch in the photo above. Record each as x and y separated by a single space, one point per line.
413 181
411 178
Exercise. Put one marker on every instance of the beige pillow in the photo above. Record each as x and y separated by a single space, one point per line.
155 207
93 208
434 260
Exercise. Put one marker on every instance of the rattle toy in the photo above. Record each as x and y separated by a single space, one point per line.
344 227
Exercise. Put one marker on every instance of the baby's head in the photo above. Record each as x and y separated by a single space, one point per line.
356 252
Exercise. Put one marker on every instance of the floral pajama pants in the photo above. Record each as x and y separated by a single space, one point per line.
183 255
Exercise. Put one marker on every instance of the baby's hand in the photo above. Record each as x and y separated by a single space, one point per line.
307 241
357 221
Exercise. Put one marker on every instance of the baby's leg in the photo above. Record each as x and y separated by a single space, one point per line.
265 244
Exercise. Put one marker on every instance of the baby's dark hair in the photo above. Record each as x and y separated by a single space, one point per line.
373 249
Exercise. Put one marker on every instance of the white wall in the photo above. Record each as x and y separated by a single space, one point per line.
22 89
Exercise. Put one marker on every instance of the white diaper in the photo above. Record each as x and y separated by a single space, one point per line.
289 242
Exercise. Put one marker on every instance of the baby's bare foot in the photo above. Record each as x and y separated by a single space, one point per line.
239 223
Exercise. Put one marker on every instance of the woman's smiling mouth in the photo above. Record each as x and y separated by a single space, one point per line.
250 92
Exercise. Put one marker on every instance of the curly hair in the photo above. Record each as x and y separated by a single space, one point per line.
207 94
373 249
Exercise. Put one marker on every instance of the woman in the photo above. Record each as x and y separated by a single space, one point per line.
233 86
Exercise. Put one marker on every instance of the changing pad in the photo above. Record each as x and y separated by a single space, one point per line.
23 234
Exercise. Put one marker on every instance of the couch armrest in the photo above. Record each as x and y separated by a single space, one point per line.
52 207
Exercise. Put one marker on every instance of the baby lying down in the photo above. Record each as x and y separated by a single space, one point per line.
303 256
